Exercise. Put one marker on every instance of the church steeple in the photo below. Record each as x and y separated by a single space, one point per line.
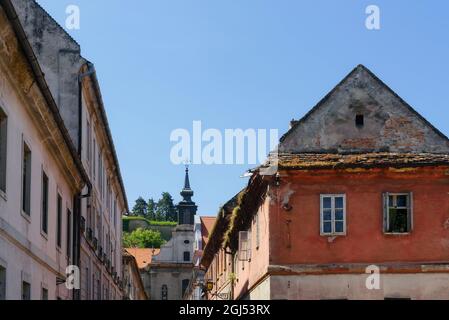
186 192
186 207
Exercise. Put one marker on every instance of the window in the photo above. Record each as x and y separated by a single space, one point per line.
185 285
2 283
257 230
186 256
88 143
164 292
87 284
94 287
26 179
44 224
244 245
100 175
397 212
115 212
225 265
359 120
44 294
94 157
69 234
59 221
333 214
3 137
98 289
26 291
106 291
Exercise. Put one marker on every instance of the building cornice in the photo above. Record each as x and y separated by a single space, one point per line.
19 63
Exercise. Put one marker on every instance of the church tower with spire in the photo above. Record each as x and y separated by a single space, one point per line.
186 207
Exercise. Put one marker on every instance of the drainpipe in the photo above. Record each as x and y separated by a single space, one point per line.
78 197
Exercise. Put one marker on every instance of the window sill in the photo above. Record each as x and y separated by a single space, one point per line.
3 195
397 233
26 216
44 235
329 235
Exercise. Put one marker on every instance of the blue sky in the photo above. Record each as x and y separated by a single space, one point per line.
244 64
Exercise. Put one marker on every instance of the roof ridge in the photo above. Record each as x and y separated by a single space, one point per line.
382 83
324 99
56 22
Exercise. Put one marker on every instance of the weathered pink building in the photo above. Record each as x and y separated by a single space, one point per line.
354 205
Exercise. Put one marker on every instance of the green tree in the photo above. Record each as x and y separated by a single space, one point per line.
151 209
140 208
166 210
142 238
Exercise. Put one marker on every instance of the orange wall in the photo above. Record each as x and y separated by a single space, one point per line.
249 273
365 241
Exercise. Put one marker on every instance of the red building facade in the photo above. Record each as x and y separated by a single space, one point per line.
354 205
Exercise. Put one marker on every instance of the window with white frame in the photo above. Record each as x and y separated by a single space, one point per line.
59 221
257 230
44 204
26 290
69 235
3 136
244 245
398 212
88 143
94 162
44 293
2 283
333 214
26 179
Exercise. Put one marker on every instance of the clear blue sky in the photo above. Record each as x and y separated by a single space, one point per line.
244 64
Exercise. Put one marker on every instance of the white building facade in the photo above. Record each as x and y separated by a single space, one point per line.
41 178
94 207
101 245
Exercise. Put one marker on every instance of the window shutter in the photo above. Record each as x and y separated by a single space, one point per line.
385 211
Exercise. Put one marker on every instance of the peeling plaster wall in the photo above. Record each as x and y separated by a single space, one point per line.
59 57
389 125
300 242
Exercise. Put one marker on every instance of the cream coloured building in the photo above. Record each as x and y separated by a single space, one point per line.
41 176
94 198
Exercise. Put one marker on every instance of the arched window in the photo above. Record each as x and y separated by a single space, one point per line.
186 256
164 292
185 284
